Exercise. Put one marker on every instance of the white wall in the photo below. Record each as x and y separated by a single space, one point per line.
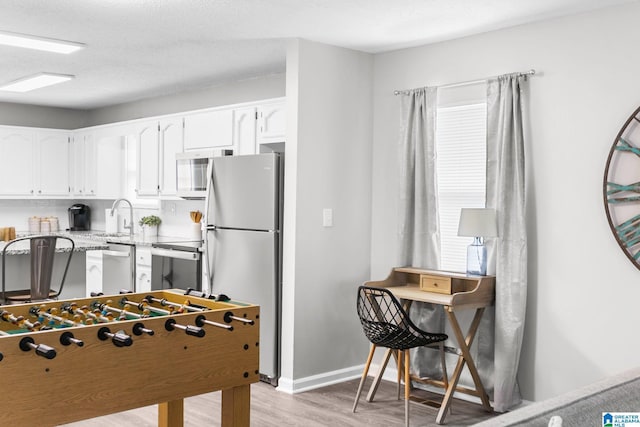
583 292
328 165
43 117
266 87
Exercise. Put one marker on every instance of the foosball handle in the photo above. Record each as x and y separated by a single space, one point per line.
118 339
194 292
27 344
1 357
139 329
67 339
96 294
194 331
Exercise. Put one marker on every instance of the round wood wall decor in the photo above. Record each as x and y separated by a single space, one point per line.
621 189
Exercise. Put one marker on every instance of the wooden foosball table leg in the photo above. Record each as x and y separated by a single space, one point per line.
236 406
171 414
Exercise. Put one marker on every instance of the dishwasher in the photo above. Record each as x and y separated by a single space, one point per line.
176 265
118 268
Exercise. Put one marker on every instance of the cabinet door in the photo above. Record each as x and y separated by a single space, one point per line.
244 130
170 144
77 165
83 182
17 151
208 130
94 272
52 171
147 155
110 167
143 279
272 122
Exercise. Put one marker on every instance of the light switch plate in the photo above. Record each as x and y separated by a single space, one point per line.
327 217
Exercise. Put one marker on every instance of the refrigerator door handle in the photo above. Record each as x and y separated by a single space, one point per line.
208 259
208 226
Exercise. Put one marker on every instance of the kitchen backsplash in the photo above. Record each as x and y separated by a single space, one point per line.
176 221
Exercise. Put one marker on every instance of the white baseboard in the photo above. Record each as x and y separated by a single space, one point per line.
287 385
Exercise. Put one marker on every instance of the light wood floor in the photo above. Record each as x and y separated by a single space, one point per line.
328 406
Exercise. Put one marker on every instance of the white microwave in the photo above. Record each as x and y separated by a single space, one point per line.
192 172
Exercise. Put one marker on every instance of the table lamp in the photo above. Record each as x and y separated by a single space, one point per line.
477 223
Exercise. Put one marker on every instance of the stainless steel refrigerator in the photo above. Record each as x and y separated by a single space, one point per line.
243 242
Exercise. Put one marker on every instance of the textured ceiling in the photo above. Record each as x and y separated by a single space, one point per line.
142 48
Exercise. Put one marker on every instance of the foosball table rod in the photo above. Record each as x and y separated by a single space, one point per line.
228 317
144 305
121 312
201 321
164 302
19 321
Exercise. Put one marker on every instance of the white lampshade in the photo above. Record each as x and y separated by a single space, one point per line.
478 222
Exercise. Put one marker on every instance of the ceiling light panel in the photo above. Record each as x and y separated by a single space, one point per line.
37 81
39 43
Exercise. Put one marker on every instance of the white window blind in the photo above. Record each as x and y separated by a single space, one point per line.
461 174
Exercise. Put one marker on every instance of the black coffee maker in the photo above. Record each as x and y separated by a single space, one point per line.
79 217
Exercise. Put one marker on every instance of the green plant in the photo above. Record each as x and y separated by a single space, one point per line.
150 220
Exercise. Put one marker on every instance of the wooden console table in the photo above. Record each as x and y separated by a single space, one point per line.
454 292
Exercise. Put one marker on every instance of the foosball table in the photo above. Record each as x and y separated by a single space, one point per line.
68 360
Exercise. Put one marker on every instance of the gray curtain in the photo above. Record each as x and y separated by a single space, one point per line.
506 193
419 235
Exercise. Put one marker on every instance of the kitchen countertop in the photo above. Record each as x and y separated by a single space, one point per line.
92 240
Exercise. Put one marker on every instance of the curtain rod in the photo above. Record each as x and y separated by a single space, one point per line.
469 82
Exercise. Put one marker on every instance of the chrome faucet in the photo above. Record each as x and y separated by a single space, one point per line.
130 226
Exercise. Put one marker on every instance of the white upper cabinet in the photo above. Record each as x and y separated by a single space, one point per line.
129 159
272 122
157 145
148 159
211 129
17 150
83 183
244 130
36 162
170 144
98 162
109 166
51 172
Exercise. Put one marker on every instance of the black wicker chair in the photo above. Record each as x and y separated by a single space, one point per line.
386 324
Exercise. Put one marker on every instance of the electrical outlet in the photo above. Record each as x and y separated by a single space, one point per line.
171 208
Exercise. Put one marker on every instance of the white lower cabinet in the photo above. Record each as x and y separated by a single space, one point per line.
94 272
143 269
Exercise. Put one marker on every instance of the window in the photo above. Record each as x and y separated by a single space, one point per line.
461 174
